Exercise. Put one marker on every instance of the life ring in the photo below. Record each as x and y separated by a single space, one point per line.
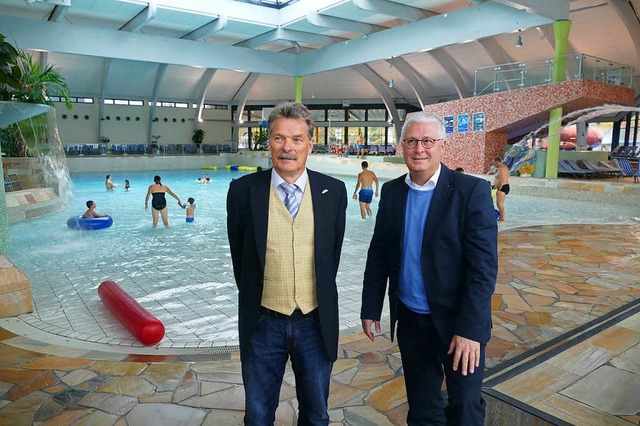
209 167
89 224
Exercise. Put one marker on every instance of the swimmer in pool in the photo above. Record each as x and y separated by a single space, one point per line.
159 202
365 180
191 207
110 185
91 213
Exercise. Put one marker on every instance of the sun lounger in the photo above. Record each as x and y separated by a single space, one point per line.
627 169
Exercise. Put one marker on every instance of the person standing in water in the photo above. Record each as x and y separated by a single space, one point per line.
501 183
365 180
159 202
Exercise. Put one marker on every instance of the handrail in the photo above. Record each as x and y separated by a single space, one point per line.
517 75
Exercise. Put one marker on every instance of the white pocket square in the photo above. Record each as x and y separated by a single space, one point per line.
324 191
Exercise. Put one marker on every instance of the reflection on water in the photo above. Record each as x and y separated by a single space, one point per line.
183 274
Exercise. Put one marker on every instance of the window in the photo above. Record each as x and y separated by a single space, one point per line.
182 105
336 115
356 115
377 115
318 115
136 103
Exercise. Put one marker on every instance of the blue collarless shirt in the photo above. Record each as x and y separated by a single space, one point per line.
411 289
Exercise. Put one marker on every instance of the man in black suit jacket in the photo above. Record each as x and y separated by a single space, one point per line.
435 241
267 268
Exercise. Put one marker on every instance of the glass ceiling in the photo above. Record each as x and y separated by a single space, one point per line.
276 4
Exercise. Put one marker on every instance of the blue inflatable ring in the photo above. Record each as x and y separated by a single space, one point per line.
89 224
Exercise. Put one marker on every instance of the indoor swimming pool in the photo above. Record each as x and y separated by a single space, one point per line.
183 274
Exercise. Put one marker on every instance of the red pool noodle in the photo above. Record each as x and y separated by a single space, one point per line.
144 326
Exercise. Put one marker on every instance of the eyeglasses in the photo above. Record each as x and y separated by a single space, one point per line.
427 143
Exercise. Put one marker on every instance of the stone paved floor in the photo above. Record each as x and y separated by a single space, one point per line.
552 279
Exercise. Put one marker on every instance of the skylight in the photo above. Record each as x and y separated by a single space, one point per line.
276 4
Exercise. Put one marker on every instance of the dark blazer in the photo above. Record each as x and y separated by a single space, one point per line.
459 255
247 220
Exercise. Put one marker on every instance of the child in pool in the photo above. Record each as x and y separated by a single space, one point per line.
127 185
190 205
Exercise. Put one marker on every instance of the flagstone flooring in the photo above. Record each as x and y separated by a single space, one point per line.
552 281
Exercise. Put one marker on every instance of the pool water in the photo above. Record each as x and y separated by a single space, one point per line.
183 274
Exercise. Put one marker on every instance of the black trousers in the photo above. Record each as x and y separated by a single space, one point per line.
425 363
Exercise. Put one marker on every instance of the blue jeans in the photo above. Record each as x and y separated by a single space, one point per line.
276 338
425 361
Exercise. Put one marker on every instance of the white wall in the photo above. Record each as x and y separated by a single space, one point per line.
128 124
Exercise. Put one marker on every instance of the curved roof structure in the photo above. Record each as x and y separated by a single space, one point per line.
345 49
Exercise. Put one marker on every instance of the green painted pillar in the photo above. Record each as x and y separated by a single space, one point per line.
4 220
561 31
298 81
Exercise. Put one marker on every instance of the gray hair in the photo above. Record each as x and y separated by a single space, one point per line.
423 117
292 110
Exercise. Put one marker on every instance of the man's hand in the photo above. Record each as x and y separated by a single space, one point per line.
465 352
366 327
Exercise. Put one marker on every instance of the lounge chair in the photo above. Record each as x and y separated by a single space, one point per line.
10 181
565 168
627 169
599 170
373 150
615 170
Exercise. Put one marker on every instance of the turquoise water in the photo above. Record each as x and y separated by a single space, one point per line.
183 274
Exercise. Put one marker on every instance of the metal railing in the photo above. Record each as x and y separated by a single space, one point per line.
518 75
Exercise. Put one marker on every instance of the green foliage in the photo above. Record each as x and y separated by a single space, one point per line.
36 84
22 79
10 72
198 136
260 140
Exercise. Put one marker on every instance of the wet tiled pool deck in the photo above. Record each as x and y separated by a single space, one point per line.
565 342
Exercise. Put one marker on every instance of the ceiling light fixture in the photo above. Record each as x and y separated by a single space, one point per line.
519 40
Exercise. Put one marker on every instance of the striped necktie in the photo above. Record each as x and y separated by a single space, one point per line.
290 201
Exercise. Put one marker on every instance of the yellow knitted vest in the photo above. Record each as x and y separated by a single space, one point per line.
289 270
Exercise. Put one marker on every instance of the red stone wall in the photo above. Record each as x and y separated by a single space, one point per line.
507 111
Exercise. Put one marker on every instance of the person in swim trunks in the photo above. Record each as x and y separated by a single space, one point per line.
360 145
191 207
501 182
159 201
365 181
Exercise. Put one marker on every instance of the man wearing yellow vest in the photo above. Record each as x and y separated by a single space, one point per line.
286 227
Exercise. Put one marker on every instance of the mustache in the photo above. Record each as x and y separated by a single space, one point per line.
287 156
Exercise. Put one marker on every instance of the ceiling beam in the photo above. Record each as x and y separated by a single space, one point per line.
412 76
288 35
341 24
441 30
200 93
207 29
162 68
450 67
630 21
392 8
145 16
546 8
382 88
106 43
58 13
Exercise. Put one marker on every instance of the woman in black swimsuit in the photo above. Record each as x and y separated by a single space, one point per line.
159 202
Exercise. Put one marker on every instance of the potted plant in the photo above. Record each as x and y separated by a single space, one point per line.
260 141
198 138
154 145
